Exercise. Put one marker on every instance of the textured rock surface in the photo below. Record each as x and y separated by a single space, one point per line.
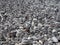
29 22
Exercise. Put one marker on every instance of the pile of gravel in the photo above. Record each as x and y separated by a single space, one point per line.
29 22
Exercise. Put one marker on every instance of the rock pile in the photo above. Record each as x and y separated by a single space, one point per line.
29 22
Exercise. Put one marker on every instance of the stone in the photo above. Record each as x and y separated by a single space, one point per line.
40 42
54 39
29 37
53 30
18 43
58 43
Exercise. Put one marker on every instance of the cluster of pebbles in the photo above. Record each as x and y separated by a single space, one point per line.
29 22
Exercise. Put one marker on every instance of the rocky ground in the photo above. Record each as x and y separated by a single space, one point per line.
29 22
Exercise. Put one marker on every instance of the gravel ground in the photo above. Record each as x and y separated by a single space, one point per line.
29 22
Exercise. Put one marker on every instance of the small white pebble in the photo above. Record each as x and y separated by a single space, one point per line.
58 32
34 19
45 35
53 30
54 39
32 23
29 37
40 42
35 27
21 27
16 43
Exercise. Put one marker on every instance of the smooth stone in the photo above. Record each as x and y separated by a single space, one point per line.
54 39
53 30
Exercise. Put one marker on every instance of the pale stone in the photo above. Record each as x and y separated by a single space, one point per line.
45 35
54 39
53 30
35 27
18 44
40 42
32 23
29 37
